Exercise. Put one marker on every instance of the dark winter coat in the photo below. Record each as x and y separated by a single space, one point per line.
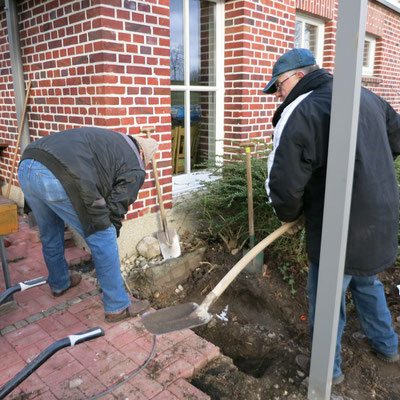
100 170
297 172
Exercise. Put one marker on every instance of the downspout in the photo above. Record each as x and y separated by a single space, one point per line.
17 67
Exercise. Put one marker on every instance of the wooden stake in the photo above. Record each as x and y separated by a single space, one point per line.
19 138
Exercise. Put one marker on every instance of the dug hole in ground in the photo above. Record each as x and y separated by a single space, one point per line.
260 326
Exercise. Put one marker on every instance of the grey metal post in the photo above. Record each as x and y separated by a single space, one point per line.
17 67
342 143
4 263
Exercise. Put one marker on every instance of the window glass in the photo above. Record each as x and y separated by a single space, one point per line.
178 132
194 137
367 46
369 55
177 44
311 37
309 34
202 118
202 42
202 130
297 34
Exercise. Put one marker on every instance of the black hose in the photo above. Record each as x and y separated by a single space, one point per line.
129 377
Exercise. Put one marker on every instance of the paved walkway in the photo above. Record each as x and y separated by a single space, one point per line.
84 370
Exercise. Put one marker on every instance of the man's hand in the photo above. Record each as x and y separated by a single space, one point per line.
297 226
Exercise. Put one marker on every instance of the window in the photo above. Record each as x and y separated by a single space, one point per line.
369 55
196 88
309 34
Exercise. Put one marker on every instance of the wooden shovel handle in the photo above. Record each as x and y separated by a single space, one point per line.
21 125
159 195
250 196
235 270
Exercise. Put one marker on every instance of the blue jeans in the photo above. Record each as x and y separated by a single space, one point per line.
51 207
373 313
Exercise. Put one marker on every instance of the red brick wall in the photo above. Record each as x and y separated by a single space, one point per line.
259 31
256 34
96 63
106 63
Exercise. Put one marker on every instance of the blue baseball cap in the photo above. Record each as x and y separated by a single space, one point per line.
293 59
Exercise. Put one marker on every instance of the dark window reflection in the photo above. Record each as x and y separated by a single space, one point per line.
202 132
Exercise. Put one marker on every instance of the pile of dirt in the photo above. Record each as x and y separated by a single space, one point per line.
260 327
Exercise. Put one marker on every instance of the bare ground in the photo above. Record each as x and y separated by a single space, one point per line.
267 327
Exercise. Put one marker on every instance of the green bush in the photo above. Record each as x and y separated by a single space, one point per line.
223 205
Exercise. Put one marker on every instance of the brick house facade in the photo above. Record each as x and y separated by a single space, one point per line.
107 63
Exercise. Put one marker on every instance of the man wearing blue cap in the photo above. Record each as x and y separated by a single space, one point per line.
296 187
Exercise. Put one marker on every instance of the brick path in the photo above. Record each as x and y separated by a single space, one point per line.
89 368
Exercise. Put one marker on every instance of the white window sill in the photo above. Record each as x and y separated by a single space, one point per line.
189 182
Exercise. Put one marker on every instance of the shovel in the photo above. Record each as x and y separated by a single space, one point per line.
168 239
255 266
190 315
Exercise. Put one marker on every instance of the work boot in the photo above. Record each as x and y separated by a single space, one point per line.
363 342
304 363
137 307
75 279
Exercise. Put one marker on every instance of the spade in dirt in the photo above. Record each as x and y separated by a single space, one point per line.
255 266
168 239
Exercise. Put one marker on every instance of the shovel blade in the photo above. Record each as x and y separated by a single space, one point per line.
171 248
177 318
256 265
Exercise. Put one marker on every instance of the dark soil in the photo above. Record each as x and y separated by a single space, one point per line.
267 327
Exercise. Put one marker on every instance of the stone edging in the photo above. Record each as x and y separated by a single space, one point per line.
38 316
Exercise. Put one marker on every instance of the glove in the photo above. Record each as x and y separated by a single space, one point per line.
117 224
117 228
297 226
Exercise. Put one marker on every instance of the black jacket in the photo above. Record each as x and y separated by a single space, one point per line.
297 172
100 170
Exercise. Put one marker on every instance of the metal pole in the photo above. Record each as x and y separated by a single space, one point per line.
4 263
339 181
17 67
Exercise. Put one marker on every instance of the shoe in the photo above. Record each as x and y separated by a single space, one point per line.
363 342
304 363
336 380
136 308
75 279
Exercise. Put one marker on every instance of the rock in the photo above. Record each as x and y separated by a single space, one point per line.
148 247
75 383
301 374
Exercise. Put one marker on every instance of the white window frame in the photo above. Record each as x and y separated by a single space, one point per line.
369 71
320 34
393 4
192 180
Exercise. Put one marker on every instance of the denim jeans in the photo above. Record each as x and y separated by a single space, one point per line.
51 207
373 313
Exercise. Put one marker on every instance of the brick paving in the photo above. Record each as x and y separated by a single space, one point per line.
38 319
